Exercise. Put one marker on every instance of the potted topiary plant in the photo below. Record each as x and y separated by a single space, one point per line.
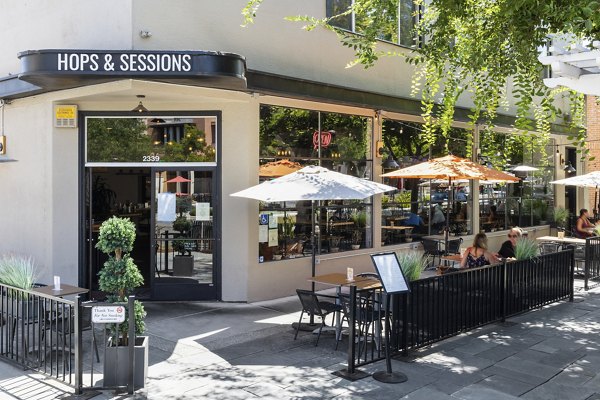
118 278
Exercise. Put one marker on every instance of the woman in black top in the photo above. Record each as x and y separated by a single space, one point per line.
508 248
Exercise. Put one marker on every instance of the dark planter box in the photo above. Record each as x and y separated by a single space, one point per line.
183 265
116 364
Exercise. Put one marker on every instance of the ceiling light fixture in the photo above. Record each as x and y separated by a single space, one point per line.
140 107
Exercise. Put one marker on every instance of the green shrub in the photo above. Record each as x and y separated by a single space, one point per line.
17 271
561 215
412 264
526 248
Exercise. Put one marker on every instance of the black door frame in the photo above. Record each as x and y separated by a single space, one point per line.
85 228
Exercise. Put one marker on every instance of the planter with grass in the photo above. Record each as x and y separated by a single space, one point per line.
412 264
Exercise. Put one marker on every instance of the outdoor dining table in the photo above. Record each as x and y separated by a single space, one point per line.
339 280
65 290
555 239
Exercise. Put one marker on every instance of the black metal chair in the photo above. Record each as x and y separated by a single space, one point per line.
454 246
369 310
312 306
373 275
432 250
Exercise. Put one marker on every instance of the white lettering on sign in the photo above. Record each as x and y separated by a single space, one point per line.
128 62
108 314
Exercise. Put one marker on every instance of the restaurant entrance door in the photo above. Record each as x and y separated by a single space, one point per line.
173 210
184 221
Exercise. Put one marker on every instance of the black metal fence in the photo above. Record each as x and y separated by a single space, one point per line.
44 333
36 332
592 260
446 305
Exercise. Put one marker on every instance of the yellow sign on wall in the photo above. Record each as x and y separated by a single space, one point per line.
65 116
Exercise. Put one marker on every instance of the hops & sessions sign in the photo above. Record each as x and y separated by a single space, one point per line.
64 68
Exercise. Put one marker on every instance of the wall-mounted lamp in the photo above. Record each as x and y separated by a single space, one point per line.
390 163
569 168
140 107
560 158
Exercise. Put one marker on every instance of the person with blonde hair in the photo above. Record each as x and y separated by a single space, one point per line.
477 255
507 250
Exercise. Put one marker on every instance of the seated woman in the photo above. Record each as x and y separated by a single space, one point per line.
583 225
477 255
507 250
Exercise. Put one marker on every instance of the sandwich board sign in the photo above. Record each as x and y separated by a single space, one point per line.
390 273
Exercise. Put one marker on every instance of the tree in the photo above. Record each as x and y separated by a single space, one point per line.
475 47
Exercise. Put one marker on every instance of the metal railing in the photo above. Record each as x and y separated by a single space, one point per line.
43 333
592 260
446 305
35 332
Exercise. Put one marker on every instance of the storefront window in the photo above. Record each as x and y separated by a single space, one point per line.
422 207
294 138
527 202
141 140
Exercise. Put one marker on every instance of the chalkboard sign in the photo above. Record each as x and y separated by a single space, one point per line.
390 273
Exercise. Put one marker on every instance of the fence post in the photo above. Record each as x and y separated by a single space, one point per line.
572 274
131 344
504 290
586 264
78 347
352 331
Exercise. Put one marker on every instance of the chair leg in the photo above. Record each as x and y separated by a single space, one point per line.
320 329
298 327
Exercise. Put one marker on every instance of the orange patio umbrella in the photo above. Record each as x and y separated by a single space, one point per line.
275 169
451 168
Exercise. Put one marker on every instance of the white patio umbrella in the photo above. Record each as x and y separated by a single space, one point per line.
314 183
591 179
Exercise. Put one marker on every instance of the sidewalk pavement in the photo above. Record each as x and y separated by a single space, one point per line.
246 351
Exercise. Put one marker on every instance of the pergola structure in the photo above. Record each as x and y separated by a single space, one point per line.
574 66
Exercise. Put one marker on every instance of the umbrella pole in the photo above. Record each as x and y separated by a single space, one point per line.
447 230
596 202
313 240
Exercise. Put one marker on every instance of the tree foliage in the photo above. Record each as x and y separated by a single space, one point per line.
479 48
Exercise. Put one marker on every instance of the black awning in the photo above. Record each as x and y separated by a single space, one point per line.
49 70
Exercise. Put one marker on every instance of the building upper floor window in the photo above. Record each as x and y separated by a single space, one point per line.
399 22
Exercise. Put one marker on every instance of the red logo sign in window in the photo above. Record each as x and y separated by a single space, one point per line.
324 137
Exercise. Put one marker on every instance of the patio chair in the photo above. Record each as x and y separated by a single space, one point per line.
432 250
454 246
312 306
367 321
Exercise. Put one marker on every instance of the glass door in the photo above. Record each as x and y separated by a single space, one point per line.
184 238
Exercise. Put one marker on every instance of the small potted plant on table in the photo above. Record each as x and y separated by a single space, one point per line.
118 278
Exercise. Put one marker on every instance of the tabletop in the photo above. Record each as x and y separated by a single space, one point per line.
337 279
65 290
571 240
451 257
395 227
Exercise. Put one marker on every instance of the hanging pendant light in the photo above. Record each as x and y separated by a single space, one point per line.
140 107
